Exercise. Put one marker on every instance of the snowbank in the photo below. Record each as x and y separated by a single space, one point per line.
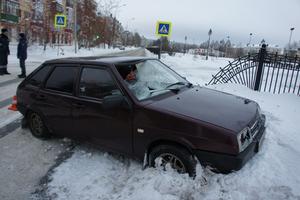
195 68
36 53
273 173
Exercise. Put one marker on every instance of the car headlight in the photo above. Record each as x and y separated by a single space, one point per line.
244 138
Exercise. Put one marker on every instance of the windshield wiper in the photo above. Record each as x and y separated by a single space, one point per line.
188 84
177 83
175 90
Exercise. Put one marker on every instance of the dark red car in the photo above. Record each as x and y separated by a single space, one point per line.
142 108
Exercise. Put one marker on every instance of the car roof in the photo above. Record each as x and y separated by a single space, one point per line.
109 60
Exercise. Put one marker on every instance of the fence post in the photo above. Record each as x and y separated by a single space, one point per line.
261 59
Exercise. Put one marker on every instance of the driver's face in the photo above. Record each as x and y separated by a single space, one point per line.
131 76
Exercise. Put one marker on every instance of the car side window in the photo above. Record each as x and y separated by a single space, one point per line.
97 83
38 78
62 79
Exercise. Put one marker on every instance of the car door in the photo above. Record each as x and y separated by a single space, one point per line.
110 128
55 99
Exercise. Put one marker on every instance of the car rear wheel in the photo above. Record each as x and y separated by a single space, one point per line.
37 126
176 157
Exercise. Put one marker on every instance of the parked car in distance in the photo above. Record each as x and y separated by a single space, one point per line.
140 107
119 47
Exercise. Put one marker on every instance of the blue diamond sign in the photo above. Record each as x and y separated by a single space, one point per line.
163 28
60 21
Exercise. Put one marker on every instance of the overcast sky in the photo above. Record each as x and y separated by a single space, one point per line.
266 19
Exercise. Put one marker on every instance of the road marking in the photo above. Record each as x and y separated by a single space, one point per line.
5 102
5 83
5 130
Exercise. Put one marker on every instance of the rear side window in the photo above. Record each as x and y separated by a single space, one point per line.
62 79
38 78
97 83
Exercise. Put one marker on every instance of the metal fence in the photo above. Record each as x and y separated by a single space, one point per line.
263 71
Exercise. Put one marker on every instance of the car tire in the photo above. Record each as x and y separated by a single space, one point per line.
37 126
178 157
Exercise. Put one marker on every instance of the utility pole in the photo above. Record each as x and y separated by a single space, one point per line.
75 25
209 34
185 38
291 37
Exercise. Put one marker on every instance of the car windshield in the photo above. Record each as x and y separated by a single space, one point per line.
151 78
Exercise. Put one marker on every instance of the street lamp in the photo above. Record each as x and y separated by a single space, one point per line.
249 43
131 19
117 7
250 38
291 37
209 34
226 46
185 38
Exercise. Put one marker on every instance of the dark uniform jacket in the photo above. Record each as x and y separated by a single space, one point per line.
4 49
22 49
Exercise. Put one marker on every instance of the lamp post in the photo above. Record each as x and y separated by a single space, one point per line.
114 22
209 34
226 46
131 19
250 38
185 38
249 43
291 37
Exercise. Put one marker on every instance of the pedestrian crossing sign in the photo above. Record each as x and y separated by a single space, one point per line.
163 28
60 21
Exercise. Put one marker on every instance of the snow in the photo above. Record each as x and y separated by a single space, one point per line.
273 173
7 116
195 68
36 53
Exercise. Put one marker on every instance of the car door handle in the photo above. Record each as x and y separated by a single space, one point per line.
78 105
41 97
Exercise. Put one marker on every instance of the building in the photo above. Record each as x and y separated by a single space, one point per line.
24 25
9 17
37 22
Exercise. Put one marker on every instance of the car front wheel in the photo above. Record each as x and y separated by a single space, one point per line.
176 157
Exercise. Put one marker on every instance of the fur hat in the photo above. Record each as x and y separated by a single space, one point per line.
22 35
3 30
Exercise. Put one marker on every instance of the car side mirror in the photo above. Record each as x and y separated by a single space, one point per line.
114 101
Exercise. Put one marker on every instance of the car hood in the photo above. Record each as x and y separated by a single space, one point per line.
214 107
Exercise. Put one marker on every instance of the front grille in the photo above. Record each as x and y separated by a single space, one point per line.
255 127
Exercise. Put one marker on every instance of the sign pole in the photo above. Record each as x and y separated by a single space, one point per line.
75 25
60 22
163 29
160 48
58 42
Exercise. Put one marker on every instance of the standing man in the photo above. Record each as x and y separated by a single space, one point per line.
22 54
4 51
